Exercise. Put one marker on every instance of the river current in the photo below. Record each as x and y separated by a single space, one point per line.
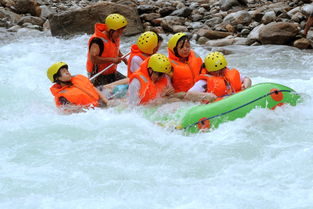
117 159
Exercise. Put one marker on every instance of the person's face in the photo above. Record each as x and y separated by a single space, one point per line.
65 75
155 76
183 48
117 33
219 73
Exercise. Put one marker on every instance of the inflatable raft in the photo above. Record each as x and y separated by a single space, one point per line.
263 95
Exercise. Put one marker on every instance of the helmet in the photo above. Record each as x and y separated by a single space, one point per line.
147 42
174 39
215 61
115 21
53 69
160 63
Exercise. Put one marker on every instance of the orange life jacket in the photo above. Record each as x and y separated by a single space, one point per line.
111 49
222 86
185 74
82 92
148 89
135 51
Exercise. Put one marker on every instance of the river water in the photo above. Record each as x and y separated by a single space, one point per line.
117 159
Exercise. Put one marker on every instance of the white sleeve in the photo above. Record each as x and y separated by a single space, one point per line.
135 63
200 86
133 92
169 82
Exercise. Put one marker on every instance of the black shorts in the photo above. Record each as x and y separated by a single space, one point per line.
107 79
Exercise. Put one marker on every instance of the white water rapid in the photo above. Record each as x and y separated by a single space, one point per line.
112 159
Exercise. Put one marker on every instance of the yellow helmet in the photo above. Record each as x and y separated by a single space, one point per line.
215 61
115 21
160 63
174 39
53 69
147 41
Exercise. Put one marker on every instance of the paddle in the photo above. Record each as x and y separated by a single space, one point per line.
105 69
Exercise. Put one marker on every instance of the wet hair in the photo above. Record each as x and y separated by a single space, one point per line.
182 39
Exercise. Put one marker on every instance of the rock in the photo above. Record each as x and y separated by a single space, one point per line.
221 42
183 12
307 9
213 21
8 18
240 41
302 43
14 28
268 17
32 20
228 4
46 11
245 31
257 15
150 16
210 34
179 28
129 3
293 11
230 28
142 9
240 17
46 25
196 17
202 40
23 6
166 11
82 21
278 33
168 22
254 35
31 26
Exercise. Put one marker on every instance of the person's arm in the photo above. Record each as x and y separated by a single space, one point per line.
124 59
246 83
116 83
200 86
96 59
200 97
102 97
68 108
308 24
135 63
133 92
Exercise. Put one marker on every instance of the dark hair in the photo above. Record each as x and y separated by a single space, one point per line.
159 37
182 39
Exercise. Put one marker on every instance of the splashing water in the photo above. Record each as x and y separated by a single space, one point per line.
111 158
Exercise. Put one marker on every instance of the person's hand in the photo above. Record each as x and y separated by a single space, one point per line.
117 60
125 61
169 91
246 83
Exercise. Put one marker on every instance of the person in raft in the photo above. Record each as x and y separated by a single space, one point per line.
148 43
104 49
151 81
218 78
185 62
73 93
308 24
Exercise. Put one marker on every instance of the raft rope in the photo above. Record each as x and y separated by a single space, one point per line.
224 113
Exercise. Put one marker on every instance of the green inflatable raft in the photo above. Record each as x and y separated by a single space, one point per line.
263 95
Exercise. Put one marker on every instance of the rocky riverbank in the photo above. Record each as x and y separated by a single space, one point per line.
209 22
